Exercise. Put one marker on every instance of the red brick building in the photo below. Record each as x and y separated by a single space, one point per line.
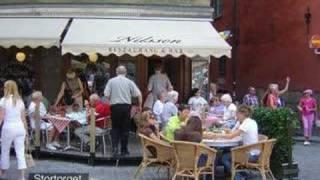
271 42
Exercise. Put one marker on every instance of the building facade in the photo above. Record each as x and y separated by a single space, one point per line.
271 41
183 72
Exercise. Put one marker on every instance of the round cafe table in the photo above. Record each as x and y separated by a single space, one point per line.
223 143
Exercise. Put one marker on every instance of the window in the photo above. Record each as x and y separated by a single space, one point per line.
222 66
130 63
200 74
218 8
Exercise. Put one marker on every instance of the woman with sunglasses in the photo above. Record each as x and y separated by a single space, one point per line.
148 125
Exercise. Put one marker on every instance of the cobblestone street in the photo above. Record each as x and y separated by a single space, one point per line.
307 157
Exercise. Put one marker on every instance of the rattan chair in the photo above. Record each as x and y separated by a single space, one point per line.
240 158
262 137
187 157
163 137
155 153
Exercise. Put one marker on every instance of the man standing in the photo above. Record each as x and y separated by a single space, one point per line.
251 98
158 83
119 91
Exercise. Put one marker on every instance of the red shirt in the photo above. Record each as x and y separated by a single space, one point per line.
103 110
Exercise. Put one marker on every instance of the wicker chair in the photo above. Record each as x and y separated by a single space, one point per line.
155 153
262 137
240 158
163 137
187 156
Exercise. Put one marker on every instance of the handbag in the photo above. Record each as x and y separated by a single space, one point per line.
68 100
29 159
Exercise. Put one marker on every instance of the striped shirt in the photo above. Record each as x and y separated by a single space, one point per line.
120 90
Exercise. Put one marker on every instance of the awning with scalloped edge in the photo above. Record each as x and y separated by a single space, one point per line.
32 32
146 37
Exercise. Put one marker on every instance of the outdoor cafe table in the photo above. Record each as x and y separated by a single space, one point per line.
60 123
223 143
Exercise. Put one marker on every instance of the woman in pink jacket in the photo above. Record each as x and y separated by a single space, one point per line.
307 106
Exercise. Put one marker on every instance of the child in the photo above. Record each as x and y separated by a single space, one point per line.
307 106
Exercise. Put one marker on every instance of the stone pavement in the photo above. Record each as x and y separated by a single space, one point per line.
308 158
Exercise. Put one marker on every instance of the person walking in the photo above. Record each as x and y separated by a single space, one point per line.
12 115
119 91
307 106
158 83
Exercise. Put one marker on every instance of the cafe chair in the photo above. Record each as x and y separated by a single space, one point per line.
187 156
155 153
240 158
262 137
105 133
163 137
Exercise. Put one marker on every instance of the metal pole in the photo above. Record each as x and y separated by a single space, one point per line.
92 136
234 45
37 131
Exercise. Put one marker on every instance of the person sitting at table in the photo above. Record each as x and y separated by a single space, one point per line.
148 125
176 122
169 109
158 106
216 108
53 133
248 129
196 101
229 115
77 114
191 132
101 110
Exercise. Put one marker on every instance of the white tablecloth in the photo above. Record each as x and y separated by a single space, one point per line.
221 143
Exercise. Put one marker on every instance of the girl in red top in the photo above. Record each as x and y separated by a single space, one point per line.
307 106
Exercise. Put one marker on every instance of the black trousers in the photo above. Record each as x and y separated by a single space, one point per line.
120 118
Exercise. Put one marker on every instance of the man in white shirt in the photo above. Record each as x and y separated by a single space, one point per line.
119 92
248 129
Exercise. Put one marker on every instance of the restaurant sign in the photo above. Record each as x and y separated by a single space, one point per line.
145 39
151 45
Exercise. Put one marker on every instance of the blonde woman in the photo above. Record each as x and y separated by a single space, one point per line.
12 114
73 86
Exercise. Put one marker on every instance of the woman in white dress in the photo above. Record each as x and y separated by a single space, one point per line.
12 115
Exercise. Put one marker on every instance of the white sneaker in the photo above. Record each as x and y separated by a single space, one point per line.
306 143
56 144
51 147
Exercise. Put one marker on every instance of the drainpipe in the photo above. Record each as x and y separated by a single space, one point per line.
234 45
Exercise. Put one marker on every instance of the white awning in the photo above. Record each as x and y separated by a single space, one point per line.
32 32
147 37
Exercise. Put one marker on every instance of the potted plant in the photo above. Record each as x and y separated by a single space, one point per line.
279 124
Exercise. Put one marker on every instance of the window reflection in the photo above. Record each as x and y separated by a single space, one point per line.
200 74
129 63
95 74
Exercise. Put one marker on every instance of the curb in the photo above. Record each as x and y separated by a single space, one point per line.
313 139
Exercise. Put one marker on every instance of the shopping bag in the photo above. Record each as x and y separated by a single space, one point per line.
29 159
